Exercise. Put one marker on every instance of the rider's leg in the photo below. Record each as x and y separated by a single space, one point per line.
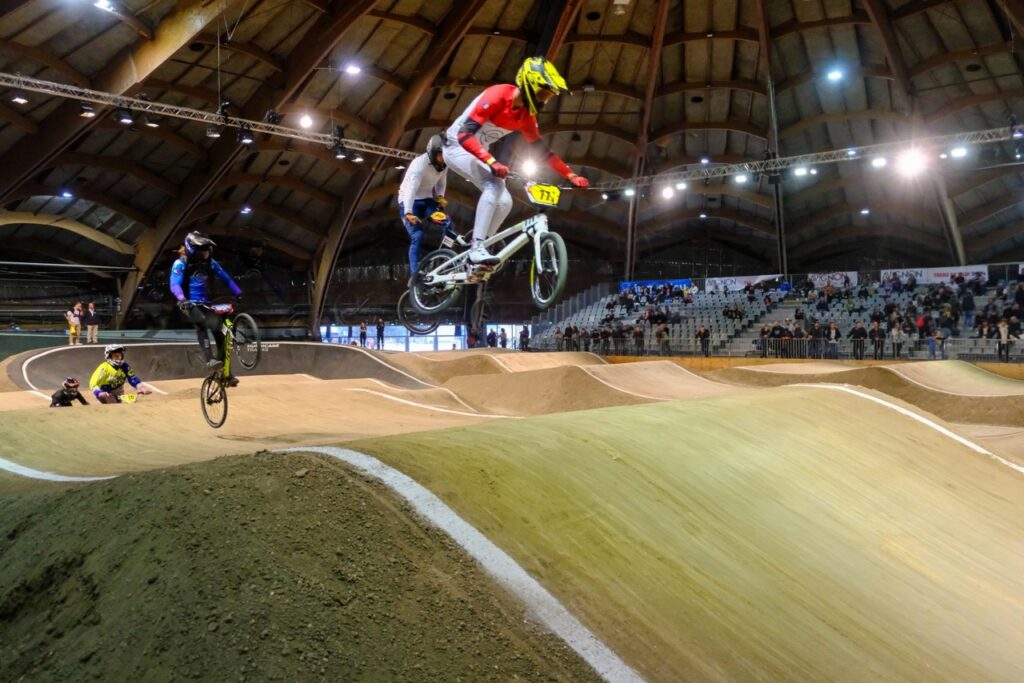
201 318
495 201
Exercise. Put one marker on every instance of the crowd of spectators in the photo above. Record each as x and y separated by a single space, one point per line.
931 315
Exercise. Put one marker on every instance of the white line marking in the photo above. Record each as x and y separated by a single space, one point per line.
24 366
496 562
428 406
612 386
155 388
23 471
499 362
315 379
919 418
41 395
943 391
364 351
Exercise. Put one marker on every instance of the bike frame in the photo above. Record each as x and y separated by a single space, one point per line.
225 328
532 228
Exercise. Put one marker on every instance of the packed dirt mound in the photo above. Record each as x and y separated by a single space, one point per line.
520 362
538 392
659 379
798 534
960 378
439 370
257 567
998 410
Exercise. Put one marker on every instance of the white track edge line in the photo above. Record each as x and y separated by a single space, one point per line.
624 391
496 562
930 387
427 406
28 472
919 418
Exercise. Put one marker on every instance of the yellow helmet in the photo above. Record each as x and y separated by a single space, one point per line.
537 72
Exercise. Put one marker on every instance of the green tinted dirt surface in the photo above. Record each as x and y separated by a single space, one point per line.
265 567
796 534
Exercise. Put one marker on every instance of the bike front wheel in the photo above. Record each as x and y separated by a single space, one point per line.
548 276
413 320
432 299
245 337
214 401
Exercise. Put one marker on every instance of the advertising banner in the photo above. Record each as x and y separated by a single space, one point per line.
738 282
686 283
837 279
934 276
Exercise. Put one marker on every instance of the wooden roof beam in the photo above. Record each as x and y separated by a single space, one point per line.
67 225
863 71
96 197
163 133
739 84
808 122
48 60
687 126
948 57
244 48
989 209
794 26
958 105
121 76
118 165
212 208
18 120
809 222
282 181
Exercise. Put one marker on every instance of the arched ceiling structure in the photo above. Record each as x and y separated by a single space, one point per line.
658 84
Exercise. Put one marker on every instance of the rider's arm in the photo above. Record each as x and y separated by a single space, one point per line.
131 377
490 103
81 399
411 181
442 184
100 380
553 161
55 399
177 278
222 274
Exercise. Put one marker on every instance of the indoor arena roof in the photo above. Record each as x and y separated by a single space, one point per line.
658 84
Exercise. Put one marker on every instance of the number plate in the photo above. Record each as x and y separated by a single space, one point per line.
545 195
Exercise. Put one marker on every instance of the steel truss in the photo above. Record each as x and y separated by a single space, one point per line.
765 167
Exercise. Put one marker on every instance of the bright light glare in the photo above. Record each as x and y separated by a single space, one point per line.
703 215
529 167
813 171
352 70
306 121
865 212
705 160
741 178
879 162
104 5
680 186
910 163
851 152
835 75
19 99
800 172
630 192
246 209
668 192
604 196
958 152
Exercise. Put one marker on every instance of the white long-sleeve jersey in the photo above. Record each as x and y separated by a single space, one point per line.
421 181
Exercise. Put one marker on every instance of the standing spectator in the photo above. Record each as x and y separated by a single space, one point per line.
585 338
503 339
74 317
63 397
858 334
877 337
898 337
936 343
638 340
765 335
492 340
380 333
362 334
663 336
1004 334
817 334
832 338
558 339
703 337
91 320
567 337
524 339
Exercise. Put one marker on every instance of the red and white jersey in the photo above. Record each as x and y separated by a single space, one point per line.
497 117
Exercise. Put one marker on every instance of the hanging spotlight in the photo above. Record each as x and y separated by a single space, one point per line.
604 196
245 210
245 135
338 150
703 215
813 171
943 156
630 192
705 160
835 75
865 212
400 167
879 162
668 192
124 116
213 132
681 186
306 121
958 152
1015 132
67 194
911 162
104 5
87 111
224 108
851 152
353 69
357 158
272 117
153 121
18 97
741 178
799 171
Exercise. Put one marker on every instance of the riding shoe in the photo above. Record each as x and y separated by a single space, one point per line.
480 256
232 381
214 365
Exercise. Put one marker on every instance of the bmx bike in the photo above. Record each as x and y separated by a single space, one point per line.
443 273
241 339
413 320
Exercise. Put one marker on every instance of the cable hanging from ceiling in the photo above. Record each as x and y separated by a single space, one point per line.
271 126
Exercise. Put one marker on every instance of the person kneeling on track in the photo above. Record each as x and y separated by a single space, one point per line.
63 397
190 277
496 112
107 382
421 195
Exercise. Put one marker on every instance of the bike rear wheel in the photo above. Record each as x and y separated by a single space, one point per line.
414 321
246 341
547 278
432 299
214 401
